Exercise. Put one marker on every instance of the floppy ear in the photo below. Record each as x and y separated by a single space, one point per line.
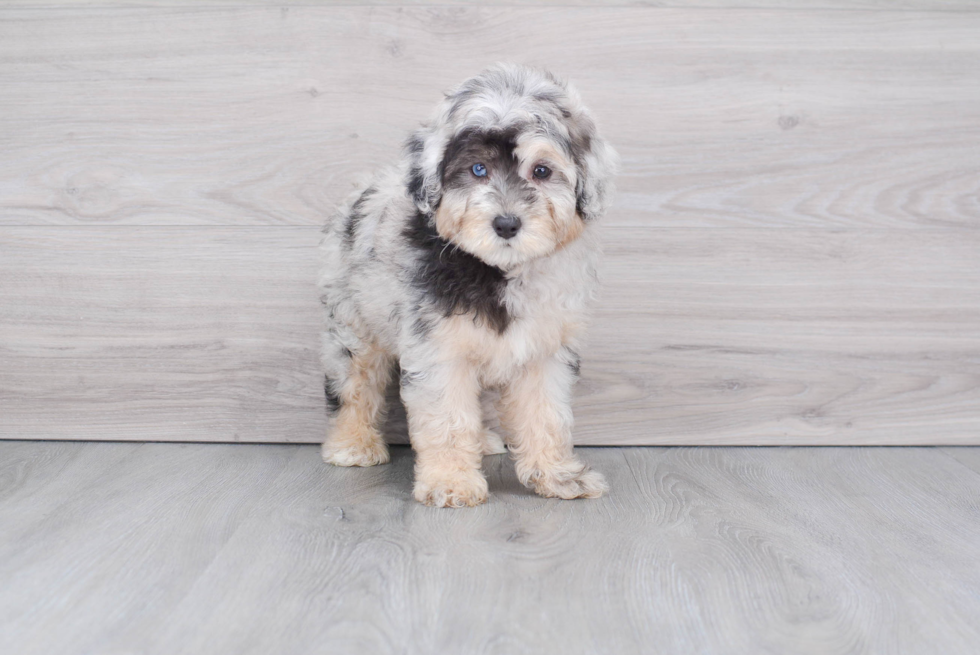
424 151
596 162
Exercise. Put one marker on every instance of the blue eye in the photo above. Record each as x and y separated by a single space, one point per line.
479 170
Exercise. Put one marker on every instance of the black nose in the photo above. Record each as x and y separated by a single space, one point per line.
506 226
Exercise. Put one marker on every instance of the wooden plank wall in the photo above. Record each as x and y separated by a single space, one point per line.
793 257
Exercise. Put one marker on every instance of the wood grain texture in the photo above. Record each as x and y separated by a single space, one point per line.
736 336
879 5
265 115
792 254
968 457
165 334
165 548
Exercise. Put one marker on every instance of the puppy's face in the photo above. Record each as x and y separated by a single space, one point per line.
508 196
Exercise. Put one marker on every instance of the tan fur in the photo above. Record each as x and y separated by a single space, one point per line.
494 358
565 223
493 300
567 232
548 226
450 215
539 420
536 150
355 439
448 438
534 409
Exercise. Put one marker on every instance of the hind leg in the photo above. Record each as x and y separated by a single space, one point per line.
359 398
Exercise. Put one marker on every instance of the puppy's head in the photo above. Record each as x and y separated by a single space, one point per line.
512 168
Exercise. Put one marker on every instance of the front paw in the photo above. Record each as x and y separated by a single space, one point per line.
460 490
581 483
361 452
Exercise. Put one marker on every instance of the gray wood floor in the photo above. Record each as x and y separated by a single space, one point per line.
218 548
792 256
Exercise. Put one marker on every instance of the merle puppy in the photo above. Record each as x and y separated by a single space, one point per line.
472 265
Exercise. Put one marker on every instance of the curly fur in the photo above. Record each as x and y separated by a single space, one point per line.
415 273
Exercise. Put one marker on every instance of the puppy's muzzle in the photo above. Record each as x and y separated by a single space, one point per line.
506 226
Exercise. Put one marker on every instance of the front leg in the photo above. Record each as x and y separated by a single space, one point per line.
446 430
537 410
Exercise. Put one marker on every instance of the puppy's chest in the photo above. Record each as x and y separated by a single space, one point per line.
539 323
537 312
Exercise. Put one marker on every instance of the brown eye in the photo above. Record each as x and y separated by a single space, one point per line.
542 172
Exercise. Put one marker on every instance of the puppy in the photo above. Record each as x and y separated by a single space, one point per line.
472 265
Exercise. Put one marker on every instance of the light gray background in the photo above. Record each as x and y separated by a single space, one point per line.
792 258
